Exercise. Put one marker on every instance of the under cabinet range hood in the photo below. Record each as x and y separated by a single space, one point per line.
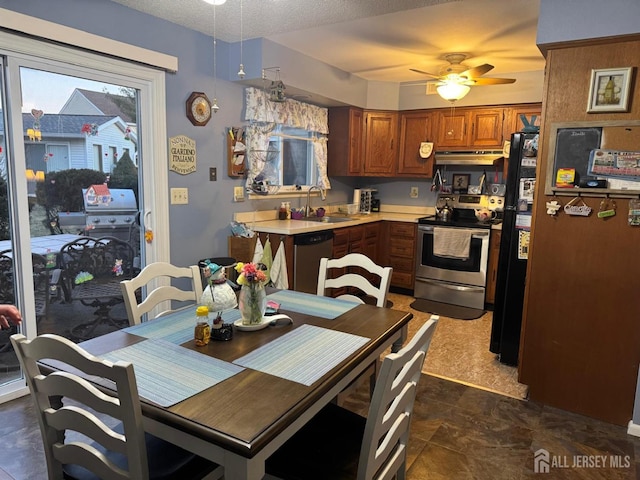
482 157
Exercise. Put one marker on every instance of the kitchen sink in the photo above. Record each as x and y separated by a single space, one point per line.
329 219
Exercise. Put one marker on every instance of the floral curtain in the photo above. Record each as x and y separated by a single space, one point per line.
263 116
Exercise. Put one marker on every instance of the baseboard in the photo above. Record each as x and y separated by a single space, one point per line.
633 429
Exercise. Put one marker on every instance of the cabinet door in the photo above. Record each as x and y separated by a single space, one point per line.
381 143
415 128
452 128
486 128
515 123
345 150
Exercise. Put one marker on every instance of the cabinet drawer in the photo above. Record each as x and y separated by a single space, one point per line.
341 236
372 230
400 279
401 264
356 233
402 247
399 229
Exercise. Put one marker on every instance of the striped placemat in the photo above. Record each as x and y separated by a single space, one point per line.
167 374
176 327
304 354
325 307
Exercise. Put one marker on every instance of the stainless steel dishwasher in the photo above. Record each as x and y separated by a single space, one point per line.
308 249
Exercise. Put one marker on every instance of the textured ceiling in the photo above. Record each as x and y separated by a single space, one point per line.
378 40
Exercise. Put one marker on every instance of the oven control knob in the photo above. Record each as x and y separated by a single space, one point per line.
112 220
96 220
128 219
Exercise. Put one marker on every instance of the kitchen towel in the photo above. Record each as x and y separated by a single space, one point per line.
267 258
258 251
279 275
451 242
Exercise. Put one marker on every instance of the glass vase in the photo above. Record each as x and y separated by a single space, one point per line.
252 303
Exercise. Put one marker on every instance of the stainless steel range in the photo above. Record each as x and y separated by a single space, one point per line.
452 254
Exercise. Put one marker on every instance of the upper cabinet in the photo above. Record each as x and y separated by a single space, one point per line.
362 143
346 141
381 143
470 128
415 128
514 123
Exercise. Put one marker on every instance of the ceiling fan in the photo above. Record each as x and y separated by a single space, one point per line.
454 80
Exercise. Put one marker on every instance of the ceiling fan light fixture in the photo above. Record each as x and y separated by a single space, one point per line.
453 91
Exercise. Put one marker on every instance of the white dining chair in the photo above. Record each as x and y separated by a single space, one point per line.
339 274
96 433
157 294
347 279
340 444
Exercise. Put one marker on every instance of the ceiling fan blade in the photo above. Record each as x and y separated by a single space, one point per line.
424 73
478 71
489 81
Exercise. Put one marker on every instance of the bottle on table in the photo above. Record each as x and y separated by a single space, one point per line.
202 333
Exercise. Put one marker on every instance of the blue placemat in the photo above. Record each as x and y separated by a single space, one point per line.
175 327
325 307
167 374
304 354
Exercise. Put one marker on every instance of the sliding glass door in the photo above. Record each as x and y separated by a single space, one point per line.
71 128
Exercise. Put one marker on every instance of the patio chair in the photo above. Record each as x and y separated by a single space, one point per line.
339 444
92 269
80 437
155 294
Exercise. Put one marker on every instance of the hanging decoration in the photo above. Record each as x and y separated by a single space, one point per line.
90 129
277 88
578 207
241 73
214 105
127 133
553 207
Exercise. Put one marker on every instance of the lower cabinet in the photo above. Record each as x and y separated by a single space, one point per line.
400 252
492 267
346 240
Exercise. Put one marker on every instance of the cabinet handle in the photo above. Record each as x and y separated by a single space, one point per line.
391 146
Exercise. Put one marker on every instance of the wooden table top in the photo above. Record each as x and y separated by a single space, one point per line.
243 413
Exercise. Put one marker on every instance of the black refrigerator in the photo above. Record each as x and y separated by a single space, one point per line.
514 247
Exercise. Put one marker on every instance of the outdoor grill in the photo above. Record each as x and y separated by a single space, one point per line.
116 218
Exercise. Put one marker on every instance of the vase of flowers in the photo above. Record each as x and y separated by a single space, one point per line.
252 302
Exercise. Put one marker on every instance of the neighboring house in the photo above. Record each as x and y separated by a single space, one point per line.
88 102
76 141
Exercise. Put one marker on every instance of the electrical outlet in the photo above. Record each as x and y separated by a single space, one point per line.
213 174
179 196
414 192
238 194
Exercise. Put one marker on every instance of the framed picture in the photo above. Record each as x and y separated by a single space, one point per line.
609 91
460 182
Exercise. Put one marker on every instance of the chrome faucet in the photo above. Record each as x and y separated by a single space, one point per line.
323 196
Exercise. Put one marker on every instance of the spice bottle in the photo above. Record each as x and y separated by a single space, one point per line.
282 213
202 333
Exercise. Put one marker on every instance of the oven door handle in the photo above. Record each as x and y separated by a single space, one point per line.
428 229
458 288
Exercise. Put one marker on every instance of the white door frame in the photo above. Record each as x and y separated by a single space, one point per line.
150 83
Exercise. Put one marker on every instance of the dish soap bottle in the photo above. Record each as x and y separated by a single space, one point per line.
202 333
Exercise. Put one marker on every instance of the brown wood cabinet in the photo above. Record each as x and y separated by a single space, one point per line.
362 143
345 149
513 123
401 248
381 143
470 128
346 240
492 267
415 128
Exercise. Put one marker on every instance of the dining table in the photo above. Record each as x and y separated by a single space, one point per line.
236 402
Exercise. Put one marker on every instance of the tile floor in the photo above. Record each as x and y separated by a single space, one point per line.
458 432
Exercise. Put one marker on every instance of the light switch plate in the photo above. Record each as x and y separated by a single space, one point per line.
414 192
213 174
238 194
179 196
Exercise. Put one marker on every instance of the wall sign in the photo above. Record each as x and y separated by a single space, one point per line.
182 154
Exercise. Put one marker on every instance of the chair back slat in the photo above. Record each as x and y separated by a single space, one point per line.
355 283
383 452
79 400
153 278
